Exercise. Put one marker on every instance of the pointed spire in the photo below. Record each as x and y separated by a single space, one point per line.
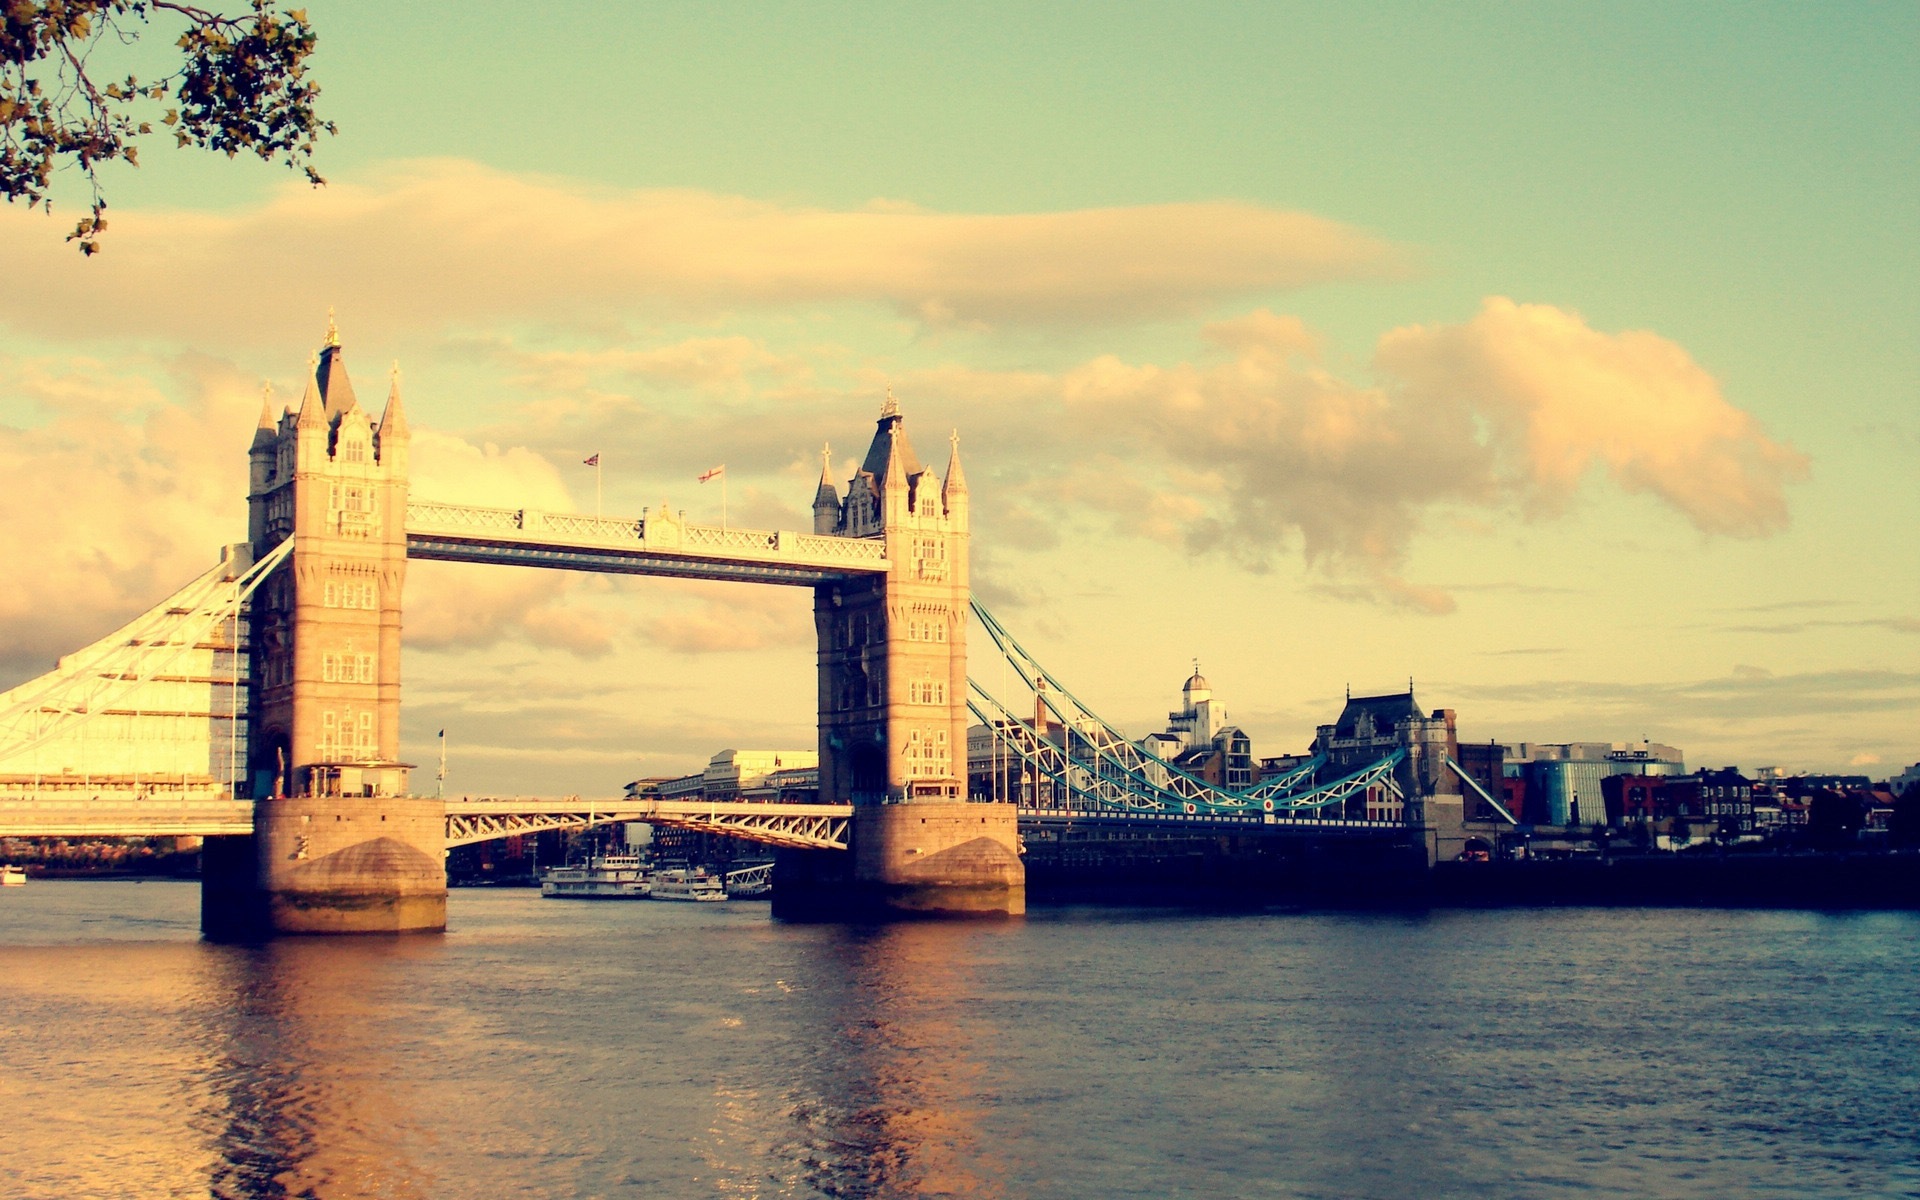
894 474
890 440
956 481
826 493
312 404
393 421
264 432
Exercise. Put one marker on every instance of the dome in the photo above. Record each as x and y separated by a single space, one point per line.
1196 682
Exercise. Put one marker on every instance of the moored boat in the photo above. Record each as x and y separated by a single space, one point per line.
694 884
602 877
13 876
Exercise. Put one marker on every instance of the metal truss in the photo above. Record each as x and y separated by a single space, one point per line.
1095 760
1097 784
795 826
1253 822
90 681
748 878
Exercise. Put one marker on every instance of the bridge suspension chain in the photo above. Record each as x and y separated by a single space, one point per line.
1118 773
89 682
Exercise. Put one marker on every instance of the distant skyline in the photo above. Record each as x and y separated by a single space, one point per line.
1560 358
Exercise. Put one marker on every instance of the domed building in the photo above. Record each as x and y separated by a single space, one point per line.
1199 741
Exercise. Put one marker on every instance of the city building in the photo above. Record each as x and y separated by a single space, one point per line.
1712 803
1485 764
1199 741
1562 779
1370 728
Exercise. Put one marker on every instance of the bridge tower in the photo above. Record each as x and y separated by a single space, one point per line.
338 846
893 702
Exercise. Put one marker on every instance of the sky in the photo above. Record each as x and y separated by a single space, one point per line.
1558 358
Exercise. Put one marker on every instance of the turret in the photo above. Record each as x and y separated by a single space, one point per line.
826 497
268 428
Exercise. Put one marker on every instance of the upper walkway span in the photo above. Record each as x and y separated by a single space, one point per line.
661 543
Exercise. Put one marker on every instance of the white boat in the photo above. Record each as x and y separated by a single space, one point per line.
602 877
694 884
13 876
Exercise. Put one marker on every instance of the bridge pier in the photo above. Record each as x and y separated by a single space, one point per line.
909 860
327 865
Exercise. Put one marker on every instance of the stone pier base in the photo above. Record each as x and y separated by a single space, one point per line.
329 865
910 860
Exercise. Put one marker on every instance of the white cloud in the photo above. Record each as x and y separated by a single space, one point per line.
125 491
1266 449
1562 398
446 242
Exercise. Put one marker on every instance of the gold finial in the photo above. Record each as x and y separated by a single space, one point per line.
266 390
394 374
826 458
333 331
892 407
953 439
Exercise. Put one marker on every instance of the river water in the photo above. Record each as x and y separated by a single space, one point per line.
559 1049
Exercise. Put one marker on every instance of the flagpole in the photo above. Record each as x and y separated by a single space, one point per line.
723 497
596 486
442 789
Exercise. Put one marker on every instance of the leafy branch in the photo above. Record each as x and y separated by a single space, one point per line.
240 85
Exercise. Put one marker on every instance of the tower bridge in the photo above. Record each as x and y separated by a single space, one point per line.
260 706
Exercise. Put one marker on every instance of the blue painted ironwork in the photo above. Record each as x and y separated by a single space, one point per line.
1111 774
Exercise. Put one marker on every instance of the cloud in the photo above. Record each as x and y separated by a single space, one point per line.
460 606
705 618
448 242
1254 449
714 365
117 497
1561 398
1750 715
1261 448
133 478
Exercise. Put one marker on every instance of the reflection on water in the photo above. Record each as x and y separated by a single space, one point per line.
887 1103
553 1050
306 1103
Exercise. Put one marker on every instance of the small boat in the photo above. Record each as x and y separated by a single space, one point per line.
13 876
602 877
692 884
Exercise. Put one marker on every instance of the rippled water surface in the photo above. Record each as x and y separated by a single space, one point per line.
555 1049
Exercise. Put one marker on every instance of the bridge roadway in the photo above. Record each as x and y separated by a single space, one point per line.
480 819
469 820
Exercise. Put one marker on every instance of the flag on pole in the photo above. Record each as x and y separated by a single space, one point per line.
719 470
592 462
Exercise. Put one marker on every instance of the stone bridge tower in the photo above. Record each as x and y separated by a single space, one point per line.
893 699
337 845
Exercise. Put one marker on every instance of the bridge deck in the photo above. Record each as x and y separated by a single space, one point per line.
469 820
654 544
